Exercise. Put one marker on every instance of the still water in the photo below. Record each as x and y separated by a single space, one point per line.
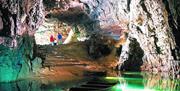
126 81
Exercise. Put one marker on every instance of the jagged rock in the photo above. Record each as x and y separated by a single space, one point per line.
20 18
149 25
150 22
98 47
36 64
154 24
1 22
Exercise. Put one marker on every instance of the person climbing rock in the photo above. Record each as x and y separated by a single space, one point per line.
59 36
52 40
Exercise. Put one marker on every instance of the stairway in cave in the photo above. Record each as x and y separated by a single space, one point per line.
59 61
58 56
96 84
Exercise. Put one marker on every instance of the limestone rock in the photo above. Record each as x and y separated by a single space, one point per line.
18 21
154 24
36 64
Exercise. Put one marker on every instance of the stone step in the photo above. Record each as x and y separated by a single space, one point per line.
101 73
84 89
58 63
58 58
61 62
49 65
96 85
104 83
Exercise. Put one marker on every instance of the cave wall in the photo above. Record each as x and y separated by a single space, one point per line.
149 22
152 27
67 17
18 21
153 24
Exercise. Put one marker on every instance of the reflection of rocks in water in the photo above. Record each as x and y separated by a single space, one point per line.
21 86
128 81
39 85
136 81
161 81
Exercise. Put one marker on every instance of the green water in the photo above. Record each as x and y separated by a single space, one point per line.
127 81
132 81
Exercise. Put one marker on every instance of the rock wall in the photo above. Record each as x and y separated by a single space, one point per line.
150 25
148 29
67 17
147 22
18 21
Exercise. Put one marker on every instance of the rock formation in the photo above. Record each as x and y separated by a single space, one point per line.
18 21
147 31
152 24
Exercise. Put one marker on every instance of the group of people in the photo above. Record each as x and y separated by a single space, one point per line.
55 41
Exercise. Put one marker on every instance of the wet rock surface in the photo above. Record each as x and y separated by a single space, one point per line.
18 21
149 22
153 25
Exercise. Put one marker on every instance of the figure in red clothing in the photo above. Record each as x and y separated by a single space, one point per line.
52 40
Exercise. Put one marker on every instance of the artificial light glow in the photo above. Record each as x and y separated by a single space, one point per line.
121 78
125 87
113 78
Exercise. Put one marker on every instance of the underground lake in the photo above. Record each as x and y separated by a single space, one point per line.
89 45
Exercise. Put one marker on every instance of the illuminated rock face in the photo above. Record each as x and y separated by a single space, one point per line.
18 21
153 24
149 24
152 27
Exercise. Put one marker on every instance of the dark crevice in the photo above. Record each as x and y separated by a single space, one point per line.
134 61
18 88
49 3
128 5
158 49
118 51
172 23
14 16
144 8
97 48
6 31
72 16
139 29
175 29
87 8
175 53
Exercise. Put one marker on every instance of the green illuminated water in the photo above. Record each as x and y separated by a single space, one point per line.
145 82
127 81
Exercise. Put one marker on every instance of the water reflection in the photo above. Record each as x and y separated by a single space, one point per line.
145 82
127 81
39 85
